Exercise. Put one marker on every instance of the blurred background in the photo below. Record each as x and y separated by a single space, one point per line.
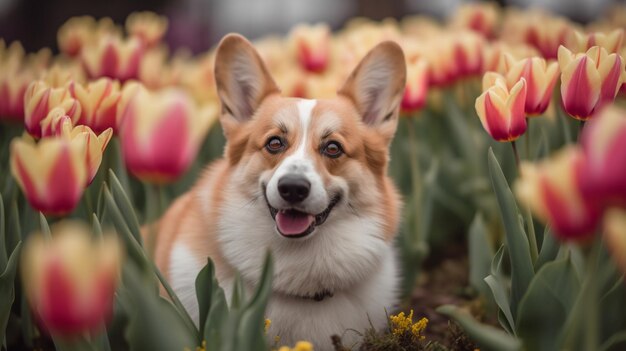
199 24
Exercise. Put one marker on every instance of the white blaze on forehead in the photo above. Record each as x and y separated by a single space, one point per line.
305 110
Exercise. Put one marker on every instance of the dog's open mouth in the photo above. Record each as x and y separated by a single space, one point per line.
292 223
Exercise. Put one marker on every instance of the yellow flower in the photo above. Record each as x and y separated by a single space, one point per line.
300 346
401 324
268 323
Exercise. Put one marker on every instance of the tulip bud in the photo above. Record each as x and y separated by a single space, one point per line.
540 80
548 33
500 109
52 173
52 125
442 65
40 98
78 32
589 80
416 88
468 53
96 144
311 45
479 17
71 279
611 42
113 57
604 144
147 27
614 224
160 132
13 82
552 191
98 100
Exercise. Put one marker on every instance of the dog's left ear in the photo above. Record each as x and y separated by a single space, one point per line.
376 86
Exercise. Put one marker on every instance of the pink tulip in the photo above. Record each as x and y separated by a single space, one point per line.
71 279
500 109
160 132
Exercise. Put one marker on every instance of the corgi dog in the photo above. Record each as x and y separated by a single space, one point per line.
306 180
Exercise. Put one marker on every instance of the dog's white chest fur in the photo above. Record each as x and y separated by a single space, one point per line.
345 313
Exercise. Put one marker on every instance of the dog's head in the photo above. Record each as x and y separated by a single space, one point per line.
309 170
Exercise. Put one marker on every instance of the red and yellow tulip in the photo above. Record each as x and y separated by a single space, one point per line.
552 191
416 88
147 26
98 100
500 109
113 57
311 45
589 80
51 173
70 279
40 99
604 144
95 145
161 131
540 79
611 42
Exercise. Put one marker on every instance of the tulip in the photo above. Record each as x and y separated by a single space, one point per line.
540 80
604 144
147 26
312 46
443 66
78 32
161 132
13 82
98 100
52 125
589 80
113 57
95 145
493 54
614 224
416 88
468 53
52 173
611 42
552 191
70 279
547 34
479 17
500 109
40 98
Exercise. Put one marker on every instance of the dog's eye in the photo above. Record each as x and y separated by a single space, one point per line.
275 145
332 149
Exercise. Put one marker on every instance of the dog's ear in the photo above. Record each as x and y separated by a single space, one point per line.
376 86
242 79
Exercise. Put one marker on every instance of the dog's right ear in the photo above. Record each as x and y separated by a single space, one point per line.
242 79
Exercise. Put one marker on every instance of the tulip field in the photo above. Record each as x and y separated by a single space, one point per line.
510 156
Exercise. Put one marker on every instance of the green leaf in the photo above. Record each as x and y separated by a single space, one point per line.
216 319
480 254
154 323
3 253
250 335
205 285
7 290
497 263
549 249
14 228
487 337
125 205
44 227
546 305
238 295
500 295
522 270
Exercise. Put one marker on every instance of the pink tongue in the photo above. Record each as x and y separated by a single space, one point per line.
292 222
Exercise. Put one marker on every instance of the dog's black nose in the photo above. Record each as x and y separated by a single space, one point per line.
293 188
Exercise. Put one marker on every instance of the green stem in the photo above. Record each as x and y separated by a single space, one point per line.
516 154
532 237
416 182
528 139
154 207
591 300
89 204
528 218
581 126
